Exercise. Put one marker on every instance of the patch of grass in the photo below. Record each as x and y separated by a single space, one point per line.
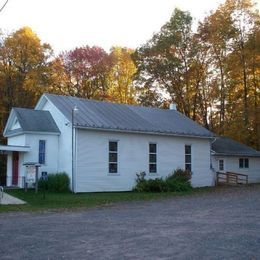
36 202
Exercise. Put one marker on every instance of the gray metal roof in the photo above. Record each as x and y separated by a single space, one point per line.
110 116
224 146
32 120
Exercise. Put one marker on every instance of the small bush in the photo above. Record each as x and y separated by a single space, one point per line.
156 185
180 174
58 182
177 185
178 181
140 182
143 185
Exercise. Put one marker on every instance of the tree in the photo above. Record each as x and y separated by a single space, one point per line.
216 31
121 88
24 68
84 72
170 61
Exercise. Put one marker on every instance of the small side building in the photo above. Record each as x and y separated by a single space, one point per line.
32 136
229 155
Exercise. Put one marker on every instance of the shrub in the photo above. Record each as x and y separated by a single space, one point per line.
143 185
178 185
179 180
156 185
140 182
180 174
58 182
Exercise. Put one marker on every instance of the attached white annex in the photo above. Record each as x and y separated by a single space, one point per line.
102 145
231 156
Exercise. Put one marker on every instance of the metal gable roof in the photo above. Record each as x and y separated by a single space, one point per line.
111 116
31 120
224 146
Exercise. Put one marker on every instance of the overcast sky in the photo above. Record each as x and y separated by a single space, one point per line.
68 24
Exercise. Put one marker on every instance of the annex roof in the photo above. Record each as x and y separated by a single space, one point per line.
30 120
224 146
118 117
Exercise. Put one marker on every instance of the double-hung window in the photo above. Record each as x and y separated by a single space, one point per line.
221 165
152 158
188 157
113 157
243 163
42 150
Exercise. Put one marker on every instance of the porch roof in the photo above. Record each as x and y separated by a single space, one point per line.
14 148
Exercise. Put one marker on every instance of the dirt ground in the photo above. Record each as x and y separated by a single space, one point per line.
223 224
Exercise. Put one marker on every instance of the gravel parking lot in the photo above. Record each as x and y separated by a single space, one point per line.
223 224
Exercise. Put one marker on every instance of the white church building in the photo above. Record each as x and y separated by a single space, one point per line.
102 145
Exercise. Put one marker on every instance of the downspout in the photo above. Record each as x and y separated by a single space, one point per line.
211 167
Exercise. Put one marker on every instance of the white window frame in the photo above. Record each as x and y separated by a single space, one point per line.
221 159
243 163
190 157
45 151
156 161
108 152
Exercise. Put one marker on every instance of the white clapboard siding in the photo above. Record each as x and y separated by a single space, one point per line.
231 164
133 157
64 140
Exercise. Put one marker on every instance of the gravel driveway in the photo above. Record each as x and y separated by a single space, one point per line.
224 224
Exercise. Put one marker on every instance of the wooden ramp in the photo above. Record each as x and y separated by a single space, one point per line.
231 178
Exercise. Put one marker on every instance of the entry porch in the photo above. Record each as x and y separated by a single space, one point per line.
14 164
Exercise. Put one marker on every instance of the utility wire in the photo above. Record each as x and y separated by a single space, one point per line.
1 9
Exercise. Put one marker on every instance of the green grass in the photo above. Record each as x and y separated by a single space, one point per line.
55 201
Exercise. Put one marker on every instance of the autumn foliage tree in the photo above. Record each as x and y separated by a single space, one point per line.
120 78
82 72
24 70
211 72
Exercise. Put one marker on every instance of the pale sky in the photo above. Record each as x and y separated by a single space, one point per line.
66 24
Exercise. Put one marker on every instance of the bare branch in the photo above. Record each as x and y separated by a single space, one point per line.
1 9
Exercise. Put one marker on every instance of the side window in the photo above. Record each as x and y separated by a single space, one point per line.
188 157
113 157
42 148
152 158
221 165
246 163
243 163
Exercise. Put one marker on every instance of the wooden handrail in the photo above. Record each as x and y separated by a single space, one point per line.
231 178
238 174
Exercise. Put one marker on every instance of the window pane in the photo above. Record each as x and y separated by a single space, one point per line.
42 151
113 168
152 168
113 146
112 157
241 163
187 158
246 163
41 158
152 158
42 146
221 165
187 149
188 166
152 148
